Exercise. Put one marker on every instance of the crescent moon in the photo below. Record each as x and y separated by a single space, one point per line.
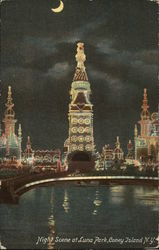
60 8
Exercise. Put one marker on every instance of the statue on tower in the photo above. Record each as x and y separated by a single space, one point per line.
80 73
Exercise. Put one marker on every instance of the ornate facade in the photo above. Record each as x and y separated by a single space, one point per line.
46 157
147 141
80 109
109 155
10 143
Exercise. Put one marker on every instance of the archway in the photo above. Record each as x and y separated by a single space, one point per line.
80 156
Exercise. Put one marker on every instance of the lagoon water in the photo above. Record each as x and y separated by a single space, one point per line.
74 217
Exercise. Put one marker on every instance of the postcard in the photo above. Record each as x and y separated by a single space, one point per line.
79 124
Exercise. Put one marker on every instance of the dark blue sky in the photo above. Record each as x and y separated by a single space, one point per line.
38 61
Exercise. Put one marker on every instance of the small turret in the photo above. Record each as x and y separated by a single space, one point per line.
28 145
28 151
117 142
19 131
135 131
118 152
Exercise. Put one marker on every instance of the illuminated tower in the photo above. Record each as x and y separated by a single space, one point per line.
145 122
142 139
9 119
28 149
10 145
80 109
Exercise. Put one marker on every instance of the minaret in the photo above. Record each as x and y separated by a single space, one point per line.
28 151
9 119
145 121
135 131
28 145
80 115
135 140
20 141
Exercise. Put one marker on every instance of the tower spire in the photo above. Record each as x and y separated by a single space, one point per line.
9 119
117 142
9 104
28 146
145 121
145 101
28 151
80 73
145 115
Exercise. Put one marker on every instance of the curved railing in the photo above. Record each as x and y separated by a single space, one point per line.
84 179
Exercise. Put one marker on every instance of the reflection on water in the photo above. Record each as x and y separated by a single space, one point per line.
149 198
117 194
151 192
51 224
69 211
97 202
66 202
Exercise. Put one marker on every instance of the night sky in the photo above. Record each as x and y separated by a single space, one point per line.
38 61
